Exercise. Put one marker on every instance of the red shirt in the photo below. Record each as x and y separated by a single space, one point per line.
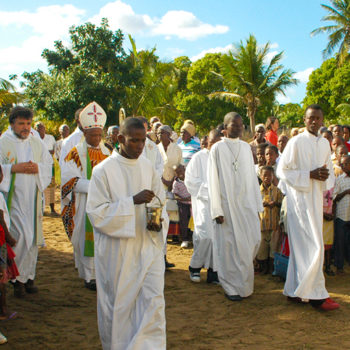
272 137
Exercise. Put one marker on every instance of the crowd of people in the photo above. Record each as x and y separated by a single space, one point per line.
240 205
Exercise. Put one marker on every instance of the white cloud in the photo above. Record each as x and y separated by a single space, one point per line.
303 76
218 49
185 25
46 20
290 93
121 16
45 25
181 24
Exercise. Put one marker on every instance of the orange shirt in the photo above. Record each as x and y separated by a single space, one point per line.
272 137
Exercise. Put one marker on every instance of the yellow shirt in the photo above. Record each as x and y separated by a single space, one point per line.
269 218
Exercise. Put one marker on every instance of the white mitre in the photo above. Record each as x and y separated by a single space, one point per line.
92 116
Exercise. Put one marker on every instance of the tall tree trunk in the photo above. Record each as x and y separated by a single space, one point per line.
251 110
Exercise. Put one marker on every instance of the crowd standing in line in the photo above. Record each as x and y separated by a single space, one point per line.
240 205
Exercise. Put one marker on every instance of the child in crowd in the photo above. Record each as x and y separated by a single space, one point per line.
329 136
269 220
204 142
282 143
339 153
341 205
260 157
328 229
183 199
336 142
271 156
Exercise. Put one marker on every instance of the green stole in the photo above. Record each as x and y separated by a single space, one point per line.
89 233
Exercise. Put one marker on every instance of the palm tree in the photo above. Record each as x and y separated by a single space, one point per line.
339 32
250 78
8 94
152 91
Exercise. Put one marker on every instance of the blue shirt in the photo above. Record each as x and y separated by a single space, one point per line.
189 149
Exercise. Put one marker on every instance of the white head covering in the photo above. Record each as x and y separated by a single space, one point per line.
111 128
92 116
258 126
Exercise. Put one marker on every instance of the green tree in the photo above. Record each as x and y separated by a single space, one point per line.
152 92
329 86
194 101
95 68
290 115
250 78
8 94
339 31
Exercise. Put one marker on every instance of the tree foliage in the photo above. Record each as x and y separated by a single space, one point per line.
250 78
339 31
95 68
194 101
328 86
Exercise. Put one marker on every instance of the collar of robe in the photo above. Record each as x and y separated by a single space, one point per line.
228 139
309 134
124 160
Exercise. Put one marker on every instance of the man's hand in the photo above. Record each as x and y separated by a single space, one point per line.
144 196
320 174
219 220
25 168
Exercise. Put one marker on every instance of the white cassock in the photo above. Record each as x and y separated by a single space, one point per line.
234 194
197 185
24 213
304 153
129 259
69 142
50 142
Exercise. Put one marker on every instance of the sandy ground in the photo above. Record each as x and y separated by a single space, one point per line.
63 314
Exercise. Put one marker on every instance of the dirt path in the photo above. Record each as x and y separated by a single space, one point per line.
63 314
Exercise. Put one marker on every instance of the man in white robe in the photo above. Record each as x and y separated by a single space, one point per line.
235 201
76 173
27 169
50 144
73 139
128 257
196 182
305 170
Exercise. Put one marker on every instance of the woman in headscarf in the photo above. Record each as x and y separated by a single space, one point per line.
112 137
172 157
171 154
188 145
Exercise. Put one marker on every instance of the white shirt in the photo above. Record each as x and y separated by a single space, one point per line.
342 183
49 141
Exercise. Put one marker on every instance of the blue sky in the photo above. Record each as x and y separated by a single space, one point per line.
176 28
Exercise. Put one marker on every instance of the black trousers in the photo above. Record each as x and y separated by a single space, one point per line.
184 218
